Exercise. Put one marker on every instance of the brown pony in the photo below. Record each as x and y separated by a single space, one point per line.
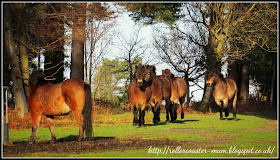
59 99
178 93
161 90
139 93
224 90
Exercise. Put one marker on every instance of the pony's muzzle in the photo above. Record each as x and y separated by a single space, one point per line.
208 84
140 82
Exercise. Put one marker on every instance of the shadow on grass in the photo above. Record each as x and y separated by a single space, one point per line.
70 138
232 119
75 138
177 122
266 114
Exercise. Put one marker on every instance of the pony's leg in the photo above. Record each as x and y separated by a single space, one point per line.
135 116
167 108
50 119
175 107
36 117
183 104
219 103
221 113
156 114
155 111
225 105
80 119
234 105
142 115
173 111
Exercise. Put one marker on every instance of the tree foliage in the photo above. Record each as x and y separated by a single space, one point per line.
110 80
238 27
262 69
150 13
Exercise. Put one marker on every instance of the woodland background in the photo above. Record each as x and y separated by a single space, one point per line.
191 38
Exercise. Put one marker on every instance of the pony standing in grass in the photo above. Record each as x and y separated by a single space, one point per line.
224 90
178 93
139 93
72 95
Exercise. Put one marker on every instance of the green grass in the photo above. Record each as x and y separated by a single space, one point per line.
195 131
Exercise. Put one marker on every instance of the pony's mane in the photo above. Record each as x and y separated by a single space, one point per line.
172 76
221 76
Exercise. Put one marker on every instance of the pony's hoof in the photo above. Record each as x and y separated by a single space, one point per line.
155 121
53 140
222 119
135 124
32 142
167 121
182 116
226 114
80 139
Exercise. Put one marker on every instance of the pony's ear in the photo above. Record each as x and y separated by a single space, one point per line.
172 75
215 71
154 69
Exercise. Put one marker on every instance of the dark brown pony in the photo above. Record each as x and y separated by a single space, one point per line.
224 90
139 93
59 99
161 90
178 93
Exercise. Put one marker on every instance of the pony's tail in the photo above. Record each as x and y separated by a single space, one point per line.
87 113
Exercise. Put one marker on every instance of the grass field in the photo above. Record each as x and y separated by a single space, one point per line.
198 135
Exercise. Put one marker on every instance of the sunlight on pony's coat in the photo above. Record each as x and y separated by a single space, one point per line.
139 94
178 92
59 99
224 90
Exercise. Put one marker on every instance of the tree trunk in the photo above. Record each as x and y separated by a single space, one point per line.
130 68
244 84
272 85
234 72
54 65
24 65
211 63
78 39
206 97
9 44
187 89
22 48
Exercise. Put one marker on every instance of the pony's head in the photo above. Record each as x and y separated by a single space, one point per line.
144 74
213 77
150 73
139 75
167 73
36 77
